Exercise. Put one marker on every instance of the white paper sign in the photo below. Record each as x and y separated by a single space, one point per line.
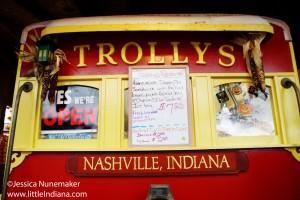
159 106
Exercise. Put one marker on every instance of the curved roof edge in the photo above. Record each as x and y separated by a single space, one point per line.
29 28
175 22
281 24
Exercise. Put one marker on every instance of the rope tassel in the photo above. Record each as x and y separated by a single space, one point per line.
253 56
46 74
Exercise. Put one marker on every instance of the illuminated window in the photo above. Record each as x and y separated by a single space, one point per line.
73 115
242 111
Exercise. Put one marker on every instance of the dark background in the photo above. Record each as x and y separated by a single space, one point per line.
16 14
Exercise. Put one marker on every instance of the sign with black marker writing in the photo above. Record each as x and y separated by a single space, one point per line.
159 106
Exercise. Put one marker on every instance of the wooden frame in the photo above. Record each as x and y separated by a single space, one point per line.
186 107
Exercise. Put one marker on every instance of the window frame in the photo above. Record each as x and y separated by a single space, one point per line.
65 144
247 141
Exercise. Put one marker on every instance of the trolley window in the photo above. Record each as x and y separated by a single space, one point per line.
159 106
242 111
73 115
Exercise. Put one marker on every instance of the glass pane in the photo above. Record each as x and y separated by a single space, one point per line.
74 115
242 112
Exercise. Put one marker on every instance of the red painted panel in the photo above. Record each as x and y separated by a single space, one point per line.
153 163
276 52
272 174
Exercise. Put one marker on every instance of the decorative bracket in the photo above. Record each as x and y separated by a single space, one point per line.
17 158
295 152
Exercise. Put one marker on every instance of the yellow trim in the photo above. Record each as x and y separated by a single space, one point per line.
201 125
111 116
77 147
125 76
294 152
294 62
93 77
258 141
17 158
157 27
124 135
293 56
16 87
82 77
275 109
239 75
111 129
212 112
288 112
20 61
26 119
280 108
18 78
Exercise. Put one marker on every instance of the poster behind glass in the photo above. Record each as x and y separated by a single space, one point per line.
241 111
73 115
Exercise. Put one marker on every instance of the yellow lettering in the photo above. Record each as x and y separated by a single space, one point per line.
86 162
202 161
176 54
99 163
214 161
225 161
107 161
155 163
114 162
139 164
188 162
172 160
200 52
134 163
227 55
153 58
146 164
81 54
106 55
127 164
168 162
139 53
195 162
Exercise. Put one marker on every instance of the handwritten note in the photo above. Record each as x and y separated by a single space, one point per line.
159 106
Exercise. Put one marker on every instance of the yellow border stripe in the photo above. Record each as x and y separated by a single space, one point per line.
157 27
294 61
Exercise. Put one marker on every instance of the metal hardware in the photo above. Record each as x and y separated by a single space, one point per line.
287 83
26 87
159 192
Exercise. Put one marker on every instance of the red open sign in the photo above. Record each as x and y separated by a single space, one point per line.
75 111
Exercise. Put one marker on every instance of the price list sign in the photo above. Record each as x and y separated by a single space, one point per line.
159 110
